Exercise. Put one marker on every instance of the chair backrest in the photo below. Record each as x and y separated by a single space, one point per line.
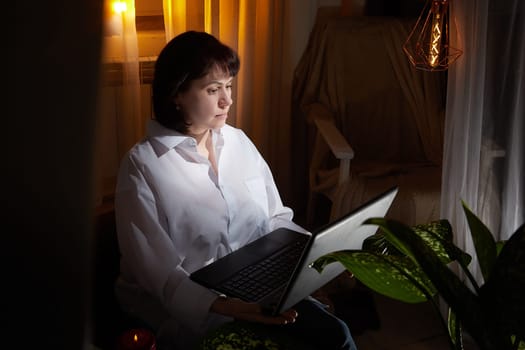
354 74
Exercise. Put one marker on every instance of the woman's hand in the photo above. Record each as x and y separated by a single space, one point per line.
241 310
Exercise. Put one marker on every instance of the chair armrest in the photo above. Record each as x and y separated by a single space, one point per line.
334 139
341 149
324 122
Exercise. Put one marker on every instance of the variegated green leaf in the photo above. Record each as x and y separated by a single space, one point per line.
466 304
438 236
454 330
503 292
394 276
483 240
439 228
499 246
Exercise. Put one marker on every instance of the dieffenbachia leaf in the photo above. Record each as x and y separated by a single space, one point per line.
394 276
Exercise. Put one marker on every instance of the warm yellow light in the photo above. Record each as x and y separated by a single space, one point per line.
119 6
207 16
135 338
433 56
428 45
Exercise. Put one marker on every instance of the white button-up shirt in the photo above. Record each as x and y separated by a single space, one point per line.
175 214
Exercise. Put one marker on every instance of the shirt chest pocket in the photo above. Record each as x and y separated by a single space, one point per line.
257 188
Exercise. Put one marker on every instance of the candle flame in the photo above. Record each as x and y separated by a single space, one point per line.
135 338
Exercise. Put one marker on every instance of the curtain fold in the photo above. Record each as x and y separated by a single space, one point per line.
119 123
422 91
131 125
483 162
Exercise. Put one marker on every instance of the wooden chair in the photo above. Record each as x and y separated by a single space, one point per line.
377 121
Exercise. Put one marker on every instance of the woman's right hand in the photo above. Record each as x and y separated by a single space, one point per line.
241 310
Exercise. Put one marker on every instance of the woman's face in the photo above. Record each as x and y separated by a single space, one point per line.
206 103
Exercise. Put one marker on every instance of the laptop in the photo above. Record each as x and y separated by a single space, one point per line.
276 270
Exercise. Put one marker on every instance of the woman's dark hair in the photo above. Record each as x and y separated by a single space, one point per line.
188 56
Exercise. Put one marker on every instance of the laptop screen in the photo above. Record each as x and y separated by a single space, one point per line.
346 233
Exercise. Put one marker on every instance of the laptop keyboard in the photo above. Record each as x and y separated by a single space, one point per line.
256 281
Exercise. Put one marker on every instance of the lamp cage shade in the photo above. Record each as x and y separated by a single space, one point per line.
428 45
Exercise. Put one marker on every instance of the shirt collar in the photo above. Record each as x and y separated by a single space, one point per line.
164 139
167 137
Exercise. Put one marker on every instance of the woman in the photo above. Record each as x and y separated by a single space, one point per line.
192 191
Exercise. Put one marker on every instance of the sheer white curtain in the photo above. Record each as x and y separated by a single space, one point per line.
484 148
119 120
269 36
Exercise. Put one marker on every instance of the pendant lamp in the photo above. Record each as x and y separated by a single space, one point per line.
428 45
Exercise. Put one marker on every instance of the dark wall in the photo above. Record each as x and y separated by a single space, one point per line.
49 180
394 8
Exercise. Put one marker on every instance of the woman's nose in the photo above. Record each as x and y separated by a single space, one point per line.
225 100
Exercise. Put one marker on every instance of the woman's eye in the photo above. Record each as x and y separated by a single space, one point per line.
212 91
228 86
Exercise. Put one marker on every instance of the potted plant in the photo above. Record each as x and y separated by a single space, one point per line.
413 264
